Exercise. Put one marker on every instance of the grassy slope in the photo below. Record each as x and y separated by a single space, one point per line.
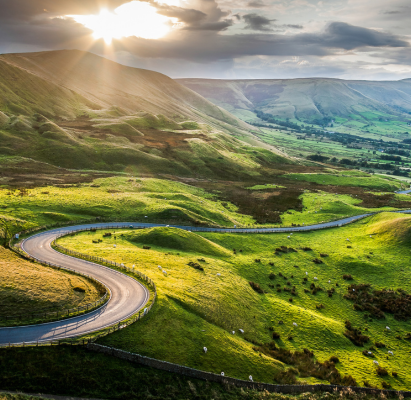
29 288
306 98
159 200
120 118
197 309
77 372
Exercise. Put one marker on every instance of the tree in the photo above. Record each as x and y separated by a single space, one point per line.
5 231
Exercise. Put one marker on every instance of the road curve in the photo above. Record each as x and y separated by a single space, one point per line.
127 295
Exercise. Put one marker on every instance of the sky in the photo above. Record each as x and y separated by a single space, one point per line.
224 39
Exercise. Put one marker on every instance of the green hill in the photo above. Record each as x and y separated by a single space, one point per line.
307 99
177 239
76 110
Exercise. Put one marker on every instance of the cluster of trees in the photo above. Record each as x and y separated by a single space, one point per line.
363 164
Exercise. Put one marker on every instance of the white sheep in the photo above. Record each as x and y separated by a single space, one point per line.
250 378
289 237
370 352
167 226
348 240
145 311
165 272
306 272
222 373
387 328
114 246
241 331
375 362
390 352
205 349
295 323
315 278
159 267
329 281
233 332
218 274
353 290
146 216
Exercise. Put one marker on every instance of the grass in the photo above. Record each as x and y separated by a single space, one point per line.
346 179
27 288
200 308
73 371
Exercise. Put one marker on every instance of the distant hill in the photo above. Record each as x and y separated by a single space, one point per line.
307 99
77 110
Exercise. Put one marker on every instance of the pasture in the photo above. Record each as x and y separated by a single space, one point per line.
280 289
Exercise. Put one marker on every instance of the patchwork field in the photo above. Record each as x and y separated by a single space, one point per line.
27 288
287 292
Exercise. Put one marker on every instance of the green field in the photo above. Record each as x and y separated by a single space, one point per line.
74 371
200 308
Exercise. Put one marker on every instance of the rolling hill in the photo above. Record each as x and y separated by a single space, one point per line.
308 99
77 110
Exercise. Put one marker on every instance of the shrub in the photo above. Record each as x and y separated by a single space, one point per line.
355 335
257 260
323 255
146 247
379 345
256 287
79 289
319 306
276 335
307 249
318 261
381 371
385 385
347 277
195 266
394 374
272 276
334 359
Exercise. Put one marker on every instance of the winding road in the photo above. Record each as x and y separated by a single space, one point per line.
128 296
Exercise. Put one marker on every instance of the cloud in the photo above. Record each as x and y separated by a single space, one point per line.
257 22
292 26
256 4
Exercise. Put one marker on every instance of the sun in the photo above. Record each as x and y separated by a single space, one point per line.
136 18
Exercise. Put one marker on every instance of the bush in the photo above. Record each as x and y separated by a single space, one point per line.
381 371
355 335
272 276
276 335
146 247
79 289
256 287
347 277
195 266
334 359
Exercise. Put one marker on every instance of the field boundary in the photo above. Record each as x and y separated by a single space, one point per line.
209 376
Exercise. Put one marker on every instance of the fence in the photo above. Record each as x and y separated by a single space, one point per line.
209 376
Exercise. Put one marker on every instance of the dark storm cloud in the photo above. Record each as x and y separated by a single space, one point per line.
257 22
209 47
345 36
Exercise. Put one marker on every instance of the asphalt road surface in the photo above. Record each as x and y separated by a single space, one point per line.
127 295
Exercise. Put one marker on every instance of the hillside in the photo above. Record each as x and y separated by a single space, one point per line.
306 99
77 110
